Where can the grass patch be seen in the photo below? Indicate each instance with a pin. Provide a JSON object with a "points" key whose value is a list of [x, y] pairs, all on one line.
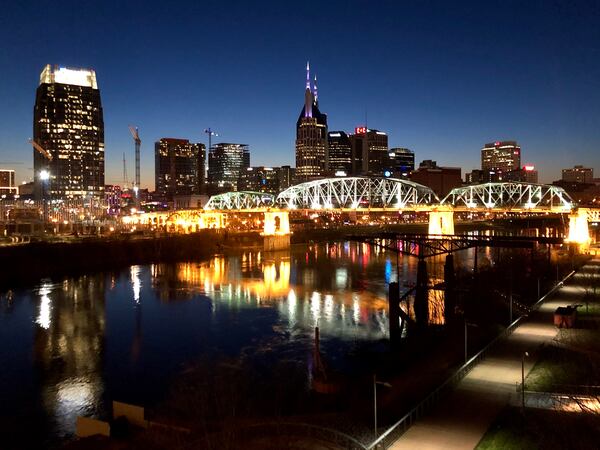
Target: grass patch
{"points": [[541, 429]]}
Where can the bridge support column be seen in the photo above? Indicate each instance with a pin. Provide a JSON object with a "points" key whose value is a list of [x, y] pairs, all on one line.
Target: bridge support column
{"points": [[441, 221], [421, 298], [450, 291], [579, 232], [394, 312], [276, 235]]}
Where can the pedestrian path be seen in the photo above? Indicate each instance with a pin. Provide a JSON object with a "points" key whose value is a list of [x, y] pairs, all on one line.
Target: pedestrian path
{"points": [[460, 420]]}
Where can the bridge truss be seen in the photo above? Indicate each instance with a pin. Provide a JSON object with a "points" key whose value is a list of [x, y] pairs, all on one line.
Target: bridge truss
{"points": [[510, 196], [356, 193], [425, 245], [240, 200]]}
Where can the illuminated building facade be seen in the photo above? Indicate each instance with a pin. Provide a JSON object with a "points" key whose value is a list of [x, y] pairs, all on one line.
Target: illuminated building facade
{"points": [[7, 182], [259, 179], [501, 155], [112, 194], [311, 136], [179, 167], [340, 153], [578, 174], [369, 151], [68, 123], [401, 162], [285, 176], [225, 163]]}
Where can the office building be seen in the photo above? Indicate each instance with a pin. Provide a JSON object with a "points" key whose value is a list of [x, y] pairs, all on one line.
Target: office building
{"points": [[178, 167], [501, 155], [68, 134], [285, 176], [7, 182], [578, 174], [369, 151], [311, 136], [259, 179], [401, 162], [340, 153], [225, 163], [440, 179]]}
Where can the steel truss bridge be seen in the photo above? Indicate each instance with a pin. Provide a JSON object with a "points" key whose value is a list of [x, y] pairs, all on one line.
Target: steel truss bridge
{"points": [[383, 194], [427, 245]]}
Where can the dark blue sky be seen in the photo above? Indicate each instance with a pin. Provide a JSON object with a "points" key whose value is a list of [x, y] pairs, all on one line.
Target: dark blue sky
{"points": [[442, 78]]}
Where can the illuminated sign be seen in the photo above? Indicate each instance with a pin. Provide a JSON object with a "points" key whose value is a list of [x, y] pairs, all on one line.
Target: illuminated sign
{"points": [[529, 168], [360, 130]]}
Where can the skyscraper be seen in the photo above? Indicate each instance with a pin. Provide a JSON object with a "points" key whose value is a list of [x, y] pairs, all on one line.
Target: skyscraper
{"points": [[311, 135], [578, 174], [178, 167], [225, 163], [259, 179], [68, 124], [501, 155], [340, 152], [369, 151]]}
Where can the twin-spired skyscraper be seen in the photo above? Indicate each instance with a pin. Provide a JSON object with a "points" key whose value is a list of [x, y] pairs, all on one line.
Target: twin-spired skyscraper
{"points": [[311, 135], [68, 126]]}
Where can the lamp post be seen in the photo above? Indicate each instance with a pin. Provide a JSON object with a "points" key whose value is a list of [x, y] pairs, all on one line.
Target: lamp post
{"points": [[375, 383], [525, 355]]}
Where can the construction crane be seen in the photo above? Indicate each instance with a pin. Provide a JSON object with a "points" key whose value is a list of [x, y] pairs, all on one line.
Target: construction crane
{"points": [[41, 150], [125, 181], [138, 142]]}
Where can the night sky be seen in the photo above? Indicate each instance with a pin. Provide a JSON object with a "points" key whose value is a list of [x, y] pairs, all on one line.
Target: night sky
{"points": [[441, 78]]}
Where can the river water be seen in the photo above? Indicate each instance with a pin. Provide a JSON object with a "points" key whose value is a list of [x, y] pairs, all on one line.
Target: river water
{"points": [[69, 348]]}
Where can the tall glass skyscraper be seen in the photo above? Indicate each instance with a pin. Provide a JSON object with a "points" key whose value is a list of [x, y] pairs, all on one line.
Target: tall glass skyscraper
{"points": [[68, 125], [225, 163]]}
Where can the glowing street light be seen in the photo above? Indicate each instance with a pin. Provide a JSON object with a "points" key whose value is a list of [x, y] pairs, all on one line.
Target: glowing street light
{"points": [[44, 175]]}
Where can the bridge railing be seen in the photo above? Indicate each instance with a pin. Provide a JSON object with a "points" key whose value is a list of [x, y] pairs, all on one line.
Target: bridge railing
{"points": [[399, 428]]}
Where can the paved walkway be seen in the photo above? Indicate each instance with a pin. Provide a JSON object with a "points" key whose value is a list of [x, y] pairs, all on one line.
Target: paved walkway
{"points": [[461, 419]]}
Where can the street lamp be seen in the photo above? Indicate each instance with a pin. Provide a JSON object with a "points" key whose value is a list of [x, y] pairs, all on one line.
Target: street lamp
{"points": [[375, 383], [525, 355]]}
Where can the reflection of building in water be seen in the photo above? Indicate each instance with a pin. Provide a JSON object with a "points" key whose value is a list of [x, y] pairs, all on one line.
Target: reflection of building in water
{"points": [[69, 347], [303, 300]]}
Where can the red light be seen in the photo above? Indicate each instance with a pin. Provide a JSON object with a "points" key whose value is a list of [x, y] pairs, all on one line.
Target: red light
{"points": [[360, 130], [497, 143]]}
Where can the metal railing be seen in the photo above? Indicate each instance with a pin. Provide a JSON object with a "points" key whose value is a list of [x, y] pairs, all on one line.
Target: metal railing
{"points": [[399, 428]]}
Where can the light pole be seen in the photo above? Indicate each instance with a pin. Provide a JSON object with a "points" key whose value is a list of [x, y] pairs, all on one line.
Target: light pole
{"points": [[467, 324], [525, 355], [375, 383]]}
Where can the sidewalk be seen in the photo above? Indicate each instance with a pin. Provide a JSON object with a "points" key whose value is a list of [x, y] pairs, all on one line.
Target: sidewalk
{"points": [[463, 417]]}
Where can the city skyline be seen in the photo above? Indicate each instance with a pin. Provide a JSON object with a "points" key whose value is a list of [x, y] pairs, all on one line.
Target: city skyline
{"points": [[435, 106]]}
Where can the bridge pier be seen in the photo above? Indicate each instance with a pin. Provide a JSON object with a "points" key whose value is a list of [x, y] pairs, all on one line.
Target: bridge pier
{"points": [[579, 232], [276, 234], [441, 221], [394, 312], [450, 289], [421, 297]]}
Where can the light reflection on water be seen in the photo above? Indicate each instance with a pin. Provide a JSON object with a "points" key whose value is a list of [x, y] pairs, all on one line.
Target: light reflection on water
{"points": [[83, 342]]}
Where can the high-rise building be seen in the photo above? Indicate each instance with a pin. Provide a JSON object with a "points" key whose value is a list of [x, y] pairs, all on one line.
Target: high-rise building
{"points": [[578, 174], [401, 162], [225, 163], [7, 182], [285, 176], [311, 135], [259, 179], [68, 124], [340, 153], [501, 155], [369, 151], [178, 167]]}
